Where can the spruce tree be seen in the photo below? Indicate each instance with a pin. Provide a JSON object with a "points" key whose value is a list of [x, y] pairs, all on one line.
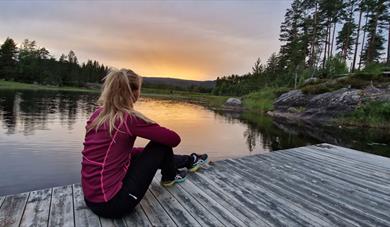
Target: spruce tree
{"points": [[378, 16], [347, 34], [8, 62]]}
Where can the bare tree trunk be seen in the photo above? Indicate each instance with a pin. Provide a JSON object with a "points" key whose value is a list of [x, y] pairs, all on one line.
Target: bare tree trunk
{"points": [[364, 37], [388, 47], [326, 47], [357, 41], [312, 52], [329, 37], [345, 50], [334, 31]]}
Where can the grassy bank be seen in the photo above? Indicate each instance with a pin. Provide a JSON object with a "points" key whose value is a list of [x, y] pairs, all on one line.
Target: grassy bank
{"points": [[11, 85], [198, 98], [261, 101], [374, 114]]}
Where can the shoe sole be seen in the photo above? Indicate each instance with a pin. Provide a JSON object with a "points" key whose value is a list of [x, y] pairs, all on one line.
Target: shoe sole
{"points": [[197, 167], [171, 183]]}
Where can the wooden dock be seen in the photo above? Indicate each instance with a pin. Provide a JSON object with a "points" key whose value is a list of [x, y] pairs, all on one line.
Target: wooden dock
{"points": [[321, 185]]}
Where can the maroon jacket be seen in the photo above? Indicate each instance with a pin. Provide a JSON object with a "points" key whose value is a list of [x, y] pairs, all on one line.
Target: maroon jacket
{"points": [[106, 158]]}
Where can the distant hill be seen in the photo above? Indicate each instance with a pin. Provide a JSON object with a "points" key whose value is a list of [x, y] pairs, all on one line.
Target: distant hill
{"points": [[177, 83]]}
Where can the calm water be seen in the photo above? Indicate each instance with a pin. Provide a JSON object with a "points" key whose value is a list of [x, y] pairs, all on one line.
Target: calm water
{"points": [[41, 135]]}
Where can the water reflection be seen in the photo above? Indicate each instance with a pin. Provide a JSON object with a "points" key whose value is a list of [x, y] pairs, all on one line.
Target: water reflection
{"points": [[41, 135], [27, 111], [263, 131]]}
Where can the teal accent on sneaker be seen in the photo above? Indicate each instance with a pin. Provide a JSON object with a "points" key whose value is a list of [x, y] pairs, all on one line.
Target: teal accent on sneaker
{"points": [[180, 177], [199, 162]]}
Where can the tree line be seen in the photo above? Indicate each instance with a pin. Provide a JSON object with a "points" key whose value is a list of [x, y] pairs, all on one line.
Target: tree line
{"points": [[32, 64], [321, 39]]}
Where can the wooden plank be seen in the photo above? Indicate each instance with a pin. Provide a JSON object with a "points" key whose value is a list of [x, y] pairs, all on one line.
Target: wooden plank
{"points": [[37, 208], [1, 200], [301, 171], [175, 210], [356, 166], [12, 209], [246, 199], [155, 212], [225, 214], [239, 207], [347, 159], [137, 218], [356, 155], [319, 176], [348, 155], [344, 166], [325, 169], [201, 213], [336, 206], [107, 222], [61, 209], [277, 208], [350, 194], [83, 215]]}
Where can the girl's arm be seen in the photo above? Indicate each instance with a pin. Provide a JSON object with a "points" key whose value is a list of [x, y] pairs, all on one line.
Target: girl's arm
{"points": [[137, 150], [153, 132]]}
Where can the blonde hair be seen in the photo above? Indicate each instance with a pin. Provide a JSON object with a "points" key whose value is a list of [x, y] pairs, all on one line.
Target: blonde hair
{"points": [[117, 98]]}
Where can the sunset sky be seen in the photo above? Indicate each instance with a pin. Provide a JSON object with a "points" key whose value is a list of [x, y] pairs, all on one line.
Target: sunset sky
{"points": [[184, 39]]}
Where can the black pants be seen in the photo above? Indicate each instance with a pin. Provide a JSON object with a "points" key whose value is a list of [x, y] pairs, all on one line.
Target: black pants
{"points": [[139, 176]]}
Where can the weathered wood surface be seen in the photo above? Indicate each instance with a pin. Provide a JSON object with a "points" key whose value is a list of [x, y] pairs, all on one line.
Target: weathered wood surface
{"points": [[321, 185]]}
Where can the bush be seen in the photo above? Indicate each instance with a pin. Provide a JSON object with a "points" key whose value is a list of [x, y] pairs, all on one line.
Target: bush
{"points": [[366, 76], [374, 69], [279, 91], [373, 113], [356, 83], [314, 89], [262, 100], [334, 67]]}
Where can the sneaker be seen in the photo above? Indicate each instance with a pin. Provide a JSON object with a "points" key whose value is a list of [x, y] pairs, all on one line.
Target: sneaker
{"points": [[179, 178], [198, 161]]}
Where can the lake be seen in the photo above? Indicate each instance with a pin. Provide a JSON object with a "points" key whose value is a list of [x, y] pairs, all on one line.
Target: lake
{"points": [[41, 135]]}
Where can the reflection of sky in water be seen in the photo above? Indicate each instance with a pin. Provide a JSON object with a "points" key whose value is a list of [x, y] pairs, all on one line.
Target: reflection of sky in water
{"points": [[200, 129], [41, 135]]}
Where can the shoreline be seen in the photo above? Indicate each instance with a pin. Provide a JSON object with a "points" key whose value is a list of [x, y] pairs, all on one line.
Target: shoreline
{"points": [[203, 99], [216, 103]]}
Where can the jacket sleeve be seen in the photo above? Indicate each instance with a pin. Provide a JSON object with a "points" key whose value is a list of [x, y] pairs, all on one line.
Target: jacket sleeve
{"points": [[153, 132]]}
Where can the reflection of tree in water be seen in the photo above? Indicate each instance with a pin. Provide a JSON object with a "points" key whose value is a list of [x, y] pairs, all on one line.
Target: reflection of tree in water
{"points": [[32, 110], [262, 131], [8, 112], [276, 135], [370, 140]]}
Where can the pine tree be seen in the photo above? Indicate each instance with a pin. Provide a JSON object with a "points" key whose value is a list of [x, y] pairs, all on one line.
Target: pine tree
{"points": [[377, 19], [72, 57], [8, 54], [330, 10], [258, 68], [293, 52], [347, 34]]}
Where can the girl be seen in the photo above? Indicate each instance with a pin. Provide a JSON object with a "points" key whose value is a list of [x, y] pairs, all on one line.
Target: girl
{"points": [[115, 175]]}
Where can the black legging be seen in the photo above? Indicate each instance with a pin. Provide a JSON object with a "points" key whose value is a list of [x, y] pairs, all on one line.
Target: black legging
{"points": [[139, 176]]}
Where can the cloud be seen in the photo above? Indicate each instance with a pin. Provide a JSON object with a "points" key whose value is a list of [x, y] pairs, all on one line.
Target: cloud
{"points": [[187, 39]]}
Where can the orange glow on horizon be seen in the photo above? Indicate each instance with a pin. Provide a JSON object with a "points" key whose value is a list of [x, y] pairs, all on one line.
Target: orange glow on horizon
{"points": [[172, 72]]}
